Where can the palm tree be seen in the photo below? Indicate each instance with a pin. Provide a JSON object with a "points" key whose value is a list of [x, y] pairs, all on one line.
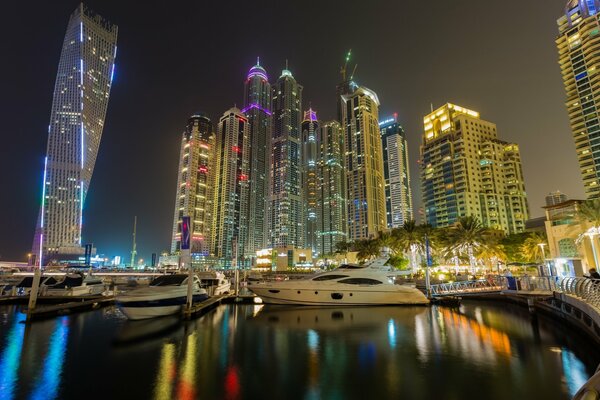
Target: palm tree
{"points": [[410, 240], [494, 252], [468, 235], [589, 211], [532, 247], [367, 249], [343, 247], [387, 240]]}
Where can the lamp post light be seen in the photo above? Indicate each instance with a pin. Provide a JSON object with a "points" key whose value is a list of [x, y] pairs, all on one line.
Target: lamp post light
{"points": [[544, 257], [591, 233]]}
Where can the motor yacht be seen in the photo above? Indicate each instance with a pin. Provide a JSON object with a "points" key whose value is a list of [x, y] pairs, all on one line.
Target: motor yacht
{"points": [[166, 295], [214, 282], [368, 284], [76, 284], [23, 287]]}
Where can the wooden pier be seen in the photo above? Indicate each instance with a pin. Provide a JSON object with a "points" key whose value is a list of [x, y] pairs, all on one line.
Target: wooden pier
{"points": [[75, 305], [202, 308]]}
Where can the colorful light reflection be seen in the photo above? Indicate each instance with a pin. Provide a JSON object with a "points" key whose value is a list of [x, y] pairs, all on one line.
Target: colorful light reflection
{"points": [[10, 359]]}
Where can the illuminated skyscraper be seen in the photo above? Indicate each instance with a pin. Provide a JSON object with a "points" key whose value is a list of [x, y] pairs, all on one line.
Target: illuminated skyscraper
{"points": [[79, 105], [398, 199], [194, 195], [286, 209], [310, 125], [257, 108], [364, 165], [579, 60], [467, 171], [331, 189], [230, 219]]}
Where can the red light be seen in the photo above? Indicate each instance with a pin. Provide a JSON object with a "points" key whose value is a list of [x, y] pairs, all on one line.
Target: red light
{"points": [[236, 149], [203, 169], [243, 177]]}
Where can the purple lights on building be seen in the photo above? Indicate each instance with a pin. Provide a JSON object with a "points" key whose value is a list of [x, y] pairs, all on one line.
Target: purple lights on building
{"points": [[251, 106], [257, 70], [310, 115]]}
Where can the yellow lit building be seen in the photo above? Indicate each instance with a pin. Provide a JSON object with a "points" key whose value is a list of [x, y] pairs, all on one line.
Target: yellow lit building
{"points": [[364, 165], [578, 56], [467, 170], [283, 258]]}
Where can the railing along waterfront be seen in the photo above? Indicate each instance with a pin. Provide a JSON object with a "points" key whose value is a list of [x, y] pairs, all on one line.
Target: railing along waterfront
{"points": [[586, 289], [481, 285]]}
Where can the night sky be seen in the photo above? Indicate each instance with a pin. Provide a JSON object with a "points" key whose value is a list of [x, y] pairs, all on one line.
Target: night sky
{"points": [[175, 58]]}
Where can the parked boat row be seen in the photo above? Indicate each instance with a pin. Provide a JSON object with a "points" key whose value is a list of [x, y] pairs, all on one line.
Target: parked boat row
{"points": [[72, 284]]}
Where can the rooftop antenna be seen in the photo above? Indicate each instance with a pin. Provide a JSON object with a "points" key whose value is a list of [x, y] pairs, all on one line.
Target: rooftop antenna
{"points": [[258, 61], [343, 69], [286, 63], [133, 251], [431, 105]]}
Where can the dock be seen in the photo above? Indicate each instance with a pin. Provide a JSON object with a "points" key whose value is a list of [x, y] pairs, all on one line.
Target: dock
{"points": [[75, 305], [202, 308]]}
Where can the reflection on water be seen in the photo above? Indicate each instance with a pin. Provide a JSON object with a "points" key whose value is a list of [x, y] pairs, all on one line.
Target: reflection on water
{"points": [[236, 352]]}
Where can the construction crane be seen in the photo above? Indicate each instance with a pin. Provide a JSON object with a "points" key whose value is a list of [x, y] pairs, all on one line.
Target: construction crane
{"points": [[343, 69]]}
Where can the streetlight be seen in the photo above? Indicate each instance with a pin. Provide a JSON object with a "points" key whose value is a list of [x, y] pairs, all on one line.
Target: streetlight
{"points": [[593, 231], [544, 255]]}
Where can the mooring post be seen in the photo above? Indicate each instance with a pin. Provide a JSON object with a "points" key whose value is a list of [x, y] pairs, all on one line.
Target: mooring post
{"points": [[37, 277]]}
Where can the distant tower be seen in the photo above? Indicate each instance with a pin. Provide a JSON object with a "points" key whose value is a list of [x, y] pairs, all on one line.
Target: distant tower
{"points": [[345, 87], [577, 42], [79, 105], [286, 219], [364, 165], [310, 125], [257, 108], [398, 199], [467, 171], [195, 184], [331, 203], [230, 220], [554, 198]]}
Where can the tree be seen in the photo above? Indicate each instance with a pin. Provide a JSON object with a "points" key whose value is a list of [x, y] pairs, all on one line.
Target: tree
{"points": [[389, 241], [531, 249], [492, 252], [343, 247], [367, 249], [468, 236], [589, 211], [410, 239]]}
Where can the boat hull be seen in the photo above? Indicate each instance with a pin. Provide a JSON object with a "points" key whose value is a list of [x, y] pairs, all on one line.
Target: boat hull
{"points": [[337, 296], [136, 308]]}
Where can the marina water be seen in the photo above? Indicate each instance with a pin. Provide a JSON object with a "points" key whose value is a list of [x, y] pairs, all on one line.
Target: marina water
{"points": [[480, 350]]}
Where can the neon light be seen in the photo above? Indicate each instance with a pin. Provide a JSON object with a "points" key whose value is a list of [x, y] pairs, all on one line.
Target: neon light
{"points": [[81, 72], [258, 71], [81, 31], [115, 53], [310, 115], [254, 105], [41, 250], [44, 191], [80, 211], [112, 73], [82, 144]]}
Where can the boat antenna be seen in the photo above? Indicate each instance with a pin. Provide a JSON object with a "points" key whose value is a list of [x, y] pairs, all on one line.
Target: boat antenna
{"points": [[133, 251]]}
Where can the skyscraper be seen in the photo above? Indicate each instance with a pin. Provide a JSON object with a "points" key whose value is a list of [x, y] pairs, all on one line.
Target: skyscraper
{"points": [[577, 42], [257, 108], [310, 125], [364, 165], [79, 105], [286, 209], [194, 194], [398, 199], [467, 171], [554, 198], [331, 189], [230, 220]]}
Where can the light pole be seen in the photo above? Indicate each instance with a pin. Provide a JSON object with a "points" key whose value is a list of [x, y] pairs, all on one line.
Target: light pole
{"points": [[544, 255], [591, 233]]}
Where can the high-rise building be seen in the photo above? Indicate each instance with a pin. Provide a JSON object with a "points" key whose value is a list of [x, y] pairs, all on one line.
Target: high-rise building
{"points": [[286, 221], [554, 198], [467, 171], [398, 198], [79, 104], [194, 194], [577, 42], [230, 220], [364, 165], [310, 125], [331, 189], [257, 108]]}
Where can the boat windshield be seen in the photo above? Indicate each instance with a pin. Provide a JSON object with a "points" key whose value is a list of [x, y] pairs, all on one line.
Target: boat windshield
{"points": [[329, 277], [168, 280], [69, 281], [350, 266], [361, 281]]}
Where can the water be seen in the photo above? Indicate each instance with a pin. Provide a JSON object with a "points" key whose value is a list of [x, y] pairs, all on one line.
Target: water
{"points": [[250, 351]]}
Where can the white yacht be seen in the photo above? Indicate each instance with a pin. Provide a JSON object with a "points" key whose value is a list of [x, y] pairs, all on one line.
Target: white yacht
{"points": [[165, 295], [75, 285], [368, 284], [214, 282]]}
